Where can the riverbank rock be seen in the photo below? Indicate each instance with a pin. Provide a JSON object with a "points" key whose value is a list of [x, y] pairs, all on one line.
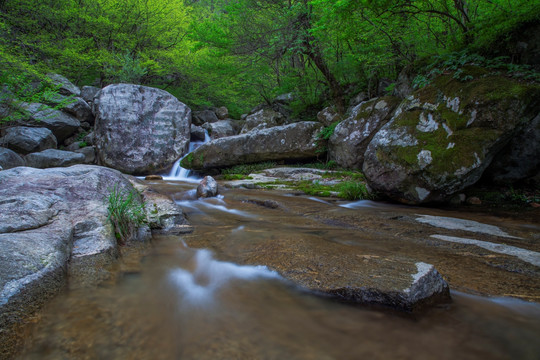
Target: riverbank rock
{"points": [[297, 141], [26, 140], [140, 130], [10, 159], [351, 137], [264, 118], [66, 87], [53, 158], [443, 137], [54, 225], [219, 129], [208, 187], [204, 116], [61, 124]]}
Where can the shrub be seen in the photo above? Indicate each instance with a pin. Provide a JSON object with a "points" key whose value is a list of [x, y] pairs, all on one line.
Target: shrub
{"points": [[126, 213], [352, 190]]}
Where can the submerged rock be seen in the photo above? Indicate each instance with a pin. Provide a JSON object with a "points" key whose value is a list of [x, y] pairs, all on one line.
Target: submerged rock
{"points": [[140, 130], [443, 137], [297, 141]]}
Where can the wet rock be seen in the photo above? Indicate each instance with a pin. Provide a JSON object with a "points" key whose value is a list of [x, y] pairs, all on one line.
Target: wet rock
{"points": [[140, 130], [197, 133], [61, 124], [54, 158], [54, 224], [26, 140], [208, 187], [442, 138], [351, 137], [264, 118], [288, 142], [10, 159], [219, 129], [153, 177]]}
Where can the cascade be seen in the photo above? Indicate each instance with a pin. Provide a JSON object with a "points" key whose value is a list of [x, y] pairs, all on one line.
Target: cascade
{"points": [[179, 173]]}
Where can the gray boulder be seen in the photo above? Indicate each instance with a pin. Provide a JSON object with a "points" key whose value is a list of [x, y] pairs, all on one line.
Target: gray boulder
{"points": [[328, 115], [54, 158], [25, 140], [443, 137], [296, 141], [204, 116], [520, 159], [54, 225], [263, 118], [351, 137], [61, 124], [88, 93], [66, 86], [222, 113], [222, 128], [140, 130], [89, 153], [76, 107], [9, 159], [208, 187]]}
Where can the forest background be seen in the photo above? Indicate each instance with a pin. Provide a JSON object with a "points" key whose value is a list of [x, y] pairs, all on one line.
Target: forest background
{"points": [[238, 53]]}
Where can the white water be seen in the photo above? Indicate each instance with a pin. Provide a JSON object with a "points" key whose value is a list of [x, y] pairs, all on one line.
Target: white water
{"points": [[198, 286], [180, 173]]}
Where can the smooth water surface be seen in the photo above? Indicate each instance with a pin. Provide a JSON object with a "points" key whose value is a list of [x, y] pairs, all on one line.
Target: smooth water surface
{"points": [[187, 299]]}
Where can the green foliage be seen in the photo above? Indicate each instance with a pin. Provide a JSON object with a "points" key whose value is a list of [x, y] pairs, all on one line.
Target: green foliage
{"points": [[126, 213], [128, 69], [460, 63], [246, 169], [236, 177], [327, 131], [352, 190], [23, 84]]}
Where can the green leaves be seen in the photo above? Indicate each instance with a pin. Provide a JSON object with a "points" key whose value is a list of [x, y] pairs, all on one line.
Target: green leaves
{"points": [[126, 213]]}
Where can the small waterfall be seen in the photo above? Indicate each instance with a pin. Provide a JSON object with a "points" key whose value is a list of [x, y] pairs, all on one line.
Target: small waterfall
{"points": [[180, 173]]}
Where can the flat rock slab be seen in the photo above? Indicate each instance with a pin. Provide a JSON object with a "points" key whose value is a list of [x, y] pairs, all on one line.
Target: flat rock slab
{"points": [[349, 274]]}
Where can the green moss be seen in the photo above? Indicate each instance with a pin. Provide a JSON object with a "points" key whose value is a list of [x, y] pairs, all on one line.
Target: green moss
{"points": [[187, 162]]}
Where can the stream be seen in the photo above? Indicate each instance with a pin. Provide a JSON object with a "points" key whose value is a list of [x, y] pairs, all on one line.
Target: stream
{"points": [[206, 295]]}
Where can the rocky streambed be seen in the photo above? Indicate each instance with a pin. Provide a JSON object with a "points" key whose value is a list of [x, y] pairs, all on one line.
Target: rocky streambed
{"points": [[194, 294]]}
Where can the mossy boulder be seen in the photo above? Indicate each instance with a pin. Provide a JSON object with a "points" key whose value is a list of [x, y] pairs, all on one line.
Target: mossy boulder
{"points": [[351, 137], [442, 137]]}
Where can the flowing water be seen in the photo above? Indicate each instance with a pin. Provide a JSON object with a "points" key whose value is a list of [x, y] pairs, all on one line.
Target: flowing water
{"points": [[203, 296]]}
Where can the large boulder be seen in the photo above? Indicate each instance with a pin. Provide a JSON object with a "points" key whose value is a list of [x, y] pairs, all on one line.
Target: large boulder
{"points": [[520, 159], [351, 137], [25, 140], [54, 225], [222, 128], [443, 137], [60, 123], [297, 141], [10, 159], [140, 130], [54, 158], [263, 118]]}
